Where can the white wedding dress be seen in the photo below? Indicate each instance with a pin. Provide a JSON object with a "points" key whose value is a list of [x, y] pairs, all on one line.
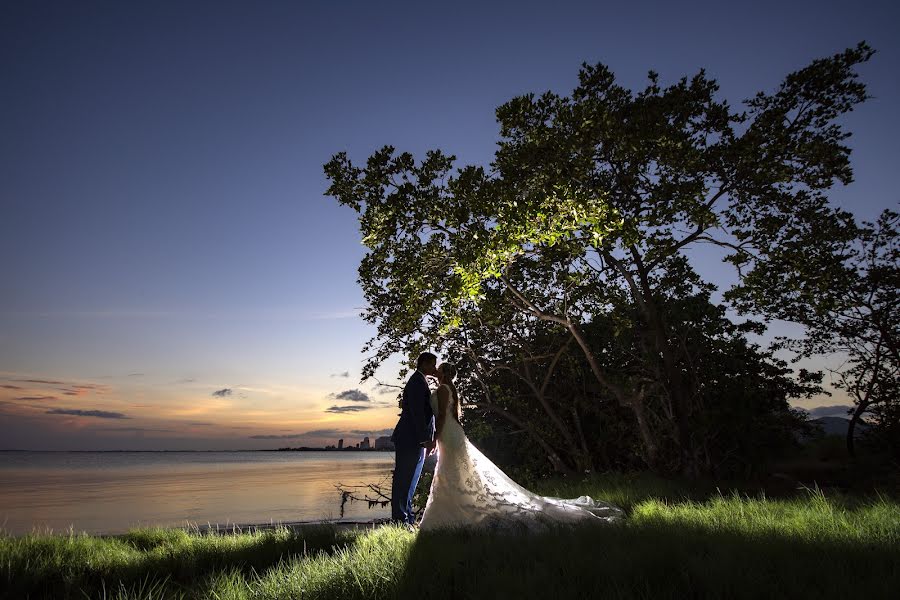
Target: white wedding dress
{"points": [[468, 490]]}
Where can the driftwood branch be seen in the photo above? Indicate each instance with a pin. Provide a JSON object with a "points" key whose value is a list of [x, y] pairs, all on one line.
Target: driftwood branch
{"points": [[371, 493]]}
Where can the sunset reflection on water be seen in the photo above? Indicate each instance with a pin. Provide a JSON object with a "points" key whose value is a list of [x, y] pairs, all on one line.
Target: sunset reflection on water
{"points": [[112, 492]]}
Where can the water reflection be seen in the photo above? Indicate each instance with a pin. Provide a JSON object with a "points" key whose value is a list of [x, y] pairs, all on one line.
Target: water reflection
{"points": [[111, 492]]}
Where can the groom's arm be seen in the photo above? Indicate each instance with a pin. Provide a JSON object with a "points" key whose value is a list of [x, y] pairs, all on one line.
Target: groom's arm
{"points": [[417, 410]]}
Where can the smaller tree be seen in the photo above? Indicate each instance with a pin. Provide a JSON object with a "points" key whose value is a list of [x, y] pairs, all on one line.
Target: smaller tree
{"points": [[848, 301]]}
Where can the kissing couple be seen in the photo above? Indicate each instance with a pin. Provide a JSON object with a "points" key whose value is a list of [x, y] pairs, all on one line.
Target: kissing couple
{"points": [[467, 489]]}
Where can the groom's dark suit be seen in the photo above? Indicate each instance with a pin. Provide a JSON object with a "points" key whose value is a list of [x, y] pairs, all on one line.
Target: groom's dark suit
{"points": [[415, 427]]}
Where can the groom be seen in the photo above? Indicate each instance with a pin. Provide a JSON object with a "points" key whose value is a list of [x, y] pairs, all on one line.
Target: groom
{"points": [[413, 436]]}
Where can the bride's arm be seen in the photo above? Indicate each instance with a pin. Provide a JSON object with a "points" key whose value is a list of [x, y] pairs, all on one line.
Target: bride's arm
{"points": [[443, 395]]}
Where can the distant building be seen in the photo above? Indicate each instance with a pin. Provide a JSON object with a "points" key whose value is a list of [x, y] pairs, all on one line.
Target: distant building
{"points": [[384, 443], [341, 444], [365, 445]]}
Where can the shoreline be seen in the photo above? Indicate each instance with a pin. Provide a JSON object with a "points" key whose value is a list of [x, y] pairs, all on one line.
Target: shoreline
{"points": [[220, 528], [294, 526]]}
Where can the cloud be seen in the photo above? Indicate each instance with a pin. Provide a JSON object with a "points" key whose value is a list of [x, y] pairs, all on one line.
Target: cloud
{"points": [[836, 410], [36, 398], [134, 429], [103, 414], [12, 387], [351, 396], [326, 432], [323, 433], [69, 389], [344, 374], [346, 409], [136, 375], [375, 432], [80, 386], [222, 393], [383, 390], [186, 380]]}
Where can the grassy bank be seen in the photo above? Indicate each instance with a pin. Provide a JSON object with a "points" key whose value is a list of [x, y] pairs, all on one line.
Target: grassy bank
{"points": [[677, 542]]}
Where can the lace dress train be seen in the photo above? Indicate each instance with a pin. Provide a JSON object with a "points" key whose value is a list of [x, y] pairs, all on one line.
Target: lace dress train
{"points": [[468, 490]]}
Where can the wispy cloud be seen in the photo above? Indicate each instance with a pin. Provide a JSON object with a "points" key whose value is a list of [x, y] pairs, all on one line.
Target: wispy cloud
{"points": [[323, 433], [383, 389], [12, 387], [82, 389], [36, 398], [66, 387], [836, 410], [376, 432], [344, 374], [346, 409], [326, 432], [103, 414], [222, 393], [351, 396], [134, 429]]}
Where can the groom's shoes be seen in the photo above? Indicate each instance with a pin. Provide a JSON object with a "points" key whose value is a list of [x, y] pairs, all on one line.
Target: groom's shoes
{"points": [[413, 527], [399, 523]]}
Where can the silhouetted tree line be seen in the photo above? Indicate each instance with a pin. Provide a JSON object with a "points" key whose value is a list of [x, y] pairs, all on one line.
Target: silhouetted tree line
{"points": [[561, 279]]}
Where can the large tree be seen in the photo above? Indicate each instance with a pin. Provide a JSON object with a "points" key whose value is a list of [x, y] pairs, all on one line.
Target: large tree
{"points": [[600, 194]]}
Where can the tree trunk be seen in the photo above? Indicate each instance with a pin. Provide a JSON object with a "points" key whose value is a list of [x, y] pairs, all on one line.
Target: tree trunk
{"points": [[674, 385], [640, 414], [650, 447], [851, 427], [555, 459]]}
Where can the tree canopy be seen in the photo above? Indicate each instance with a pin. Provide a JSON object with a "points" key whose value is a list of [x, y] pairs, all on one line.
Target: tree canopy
{"points": [[580, 228]]}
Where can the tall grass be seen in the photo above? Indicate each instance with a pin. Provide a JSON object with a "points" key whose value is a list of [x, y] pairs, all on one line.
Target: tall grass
{"points": [[678, 542]]}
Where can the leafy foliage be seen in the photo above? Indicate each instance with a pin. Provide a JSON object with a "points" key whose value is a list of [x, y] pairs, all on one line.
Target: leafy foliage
{"points": [[847, 297], [576, 238]]}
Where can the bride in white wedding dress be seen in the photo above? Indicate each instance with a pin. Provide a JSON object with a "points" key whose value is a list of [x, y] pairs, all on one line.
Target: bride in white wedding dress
{"points": [[468, 490]]}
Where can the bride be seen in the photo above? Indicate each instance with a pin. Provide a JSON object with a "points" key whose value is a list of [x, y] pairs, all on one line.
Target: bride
{"points": [[469, 490]]}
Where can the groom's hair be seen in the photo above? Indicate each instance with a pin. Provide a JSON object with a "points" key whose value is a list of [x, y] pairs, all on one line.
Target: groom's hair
{"points": [[425, 357]]}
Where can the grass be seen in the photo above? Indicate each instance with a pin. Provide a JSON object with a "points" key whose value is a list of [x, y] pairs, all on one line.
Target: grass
{"points": [[679, 541]]}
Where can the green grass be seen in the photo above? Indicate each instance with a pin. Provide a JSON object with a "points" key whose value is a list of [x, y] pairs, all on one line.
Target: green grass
{"points": [[678, 542]]}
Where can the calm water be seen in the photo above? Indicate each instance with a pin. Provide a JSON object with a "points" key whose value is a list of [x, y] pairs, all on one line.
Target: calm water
{"points": [[114, 491]]}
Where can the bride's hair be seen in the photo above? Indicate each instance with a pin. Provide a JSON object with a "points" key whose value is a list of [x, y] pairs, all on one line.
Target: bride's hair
{"points": [[449, 372]]}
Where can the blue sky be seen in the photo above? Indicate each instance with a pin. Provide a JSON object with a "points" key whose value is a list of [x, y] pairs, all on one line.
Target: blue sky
{"points": [[164, 233]]}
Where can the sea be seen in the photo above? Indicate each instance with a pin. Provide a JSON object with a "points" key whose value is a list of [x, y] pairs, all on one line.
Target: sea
{"points": [[112, 492]]}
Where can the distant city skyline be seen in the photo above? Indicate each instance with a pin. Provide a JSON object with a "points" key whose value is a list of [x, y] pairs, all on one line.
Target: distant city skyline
{"points": [[174, 277]]}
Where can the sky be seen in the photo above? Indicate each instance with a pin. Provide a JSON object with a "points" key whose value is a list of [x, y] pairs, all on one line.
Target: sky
{"points": [[173, 276]]}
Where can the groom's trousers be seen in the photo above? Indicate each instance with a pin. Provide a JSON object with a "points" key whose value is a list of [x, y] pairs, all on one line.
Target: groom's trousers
{"points": [[407, 470]]}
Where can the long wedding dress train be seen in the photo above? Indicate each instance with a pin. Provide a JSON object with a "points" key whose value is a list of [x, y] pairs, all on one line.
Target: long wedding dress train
{"points": [[468, 490]]}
